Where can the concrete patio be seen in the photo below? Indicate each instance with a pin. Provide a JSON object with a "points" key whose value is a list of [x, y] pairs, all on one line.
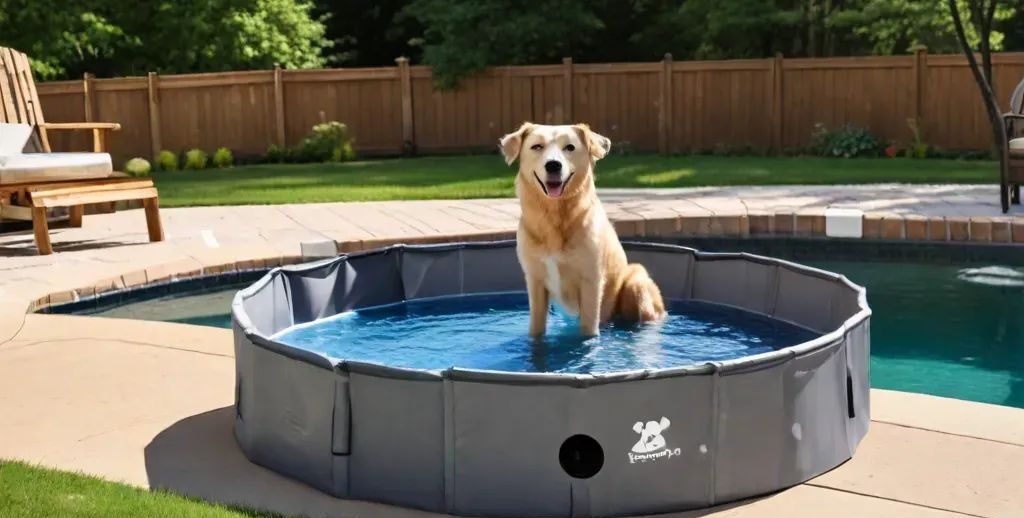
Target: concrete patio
{"points": [[148, 403]]}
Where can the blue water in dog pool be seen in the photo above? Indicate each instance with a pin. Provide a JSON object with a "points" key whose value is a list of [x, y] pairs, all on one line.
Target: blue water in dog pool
{"points": [[489, 332]]}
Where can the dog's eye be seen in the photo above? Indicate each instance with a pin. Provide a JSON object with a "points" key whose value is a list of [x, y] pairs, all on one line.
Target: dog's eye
{"points": [[536, 147], [570, 148]]}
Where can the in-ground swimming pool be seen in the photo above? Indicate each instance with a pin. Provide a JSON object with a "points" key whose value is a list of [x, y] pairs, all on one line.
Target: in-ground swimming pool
{"points": [[940, 326]]}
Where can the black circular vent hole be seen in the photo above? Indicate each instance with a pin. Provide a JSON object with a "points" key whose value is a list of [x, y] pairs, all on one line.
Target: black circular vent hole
{"points": [[581, 456]]}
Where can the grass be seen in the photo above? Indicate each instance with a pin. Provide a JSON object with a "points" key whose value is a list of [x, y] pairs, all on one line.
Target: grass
{"points": [[32, 492], [486, 176]]}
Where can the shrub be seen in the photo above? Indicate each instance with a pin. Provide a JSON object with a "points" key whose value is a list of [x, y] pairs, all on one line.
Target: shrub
{"points": [[195, 159], [275, 154], [223, 158], [137, 167], [328, 142], [917, 147], [167, 161], [846, 141]]}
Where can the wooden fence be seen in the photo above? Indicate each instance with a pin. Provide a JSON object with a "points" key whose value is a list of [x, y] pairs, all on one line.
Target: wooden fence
{"points": [[668, 106]]}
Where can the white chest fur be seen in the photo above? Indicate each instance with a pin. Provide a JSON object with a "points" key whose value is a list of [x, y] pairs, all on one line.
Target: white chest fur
{"points": [[553, 282]]}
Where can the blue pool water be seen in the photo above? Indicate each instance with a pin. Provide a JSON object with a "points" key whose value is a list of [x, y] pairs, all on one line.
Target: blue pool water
{"points": [[489, 332], [947, 320]]}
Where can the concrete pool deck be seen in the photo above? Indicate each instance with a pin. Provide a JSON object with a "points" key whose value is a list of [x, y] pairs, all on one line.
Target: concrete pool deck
{"points": [[148, 403]]}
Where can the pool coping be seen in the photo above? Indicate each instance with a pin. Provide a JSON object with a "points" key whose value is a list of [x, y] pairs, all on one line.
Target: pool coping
{"points": [[882, 227]]}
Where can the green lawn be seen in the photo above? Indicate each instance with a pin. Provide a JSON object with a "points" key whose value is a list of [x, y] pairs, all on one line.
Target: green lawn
{"points": [[486, 176], [33, 492]]}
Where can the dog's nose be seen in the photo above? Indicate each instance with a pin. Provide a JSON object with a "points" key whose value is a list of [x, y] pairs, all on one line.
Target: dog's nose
{"points": [[553, 166]]}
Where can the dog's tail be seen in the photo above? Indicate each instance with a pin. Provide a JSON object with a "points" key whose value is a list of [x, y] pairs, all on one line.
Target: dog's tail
{"points": [[639, 298]]}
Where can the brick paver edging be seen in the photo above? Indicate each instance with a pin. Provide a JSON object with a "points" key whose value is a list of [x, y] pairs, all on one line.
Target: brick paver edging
{"points": [[784, 224]]}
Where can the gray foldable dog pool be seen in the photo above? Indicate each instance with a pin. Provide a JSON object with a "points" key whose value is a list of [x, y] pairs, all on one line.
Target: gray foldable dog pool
{"points": [[401, 376]]}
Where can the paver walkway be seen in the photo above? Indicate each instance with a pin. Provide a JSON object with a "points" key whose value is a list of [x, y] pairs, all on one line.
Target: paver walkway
{"points": [[149, 403]]}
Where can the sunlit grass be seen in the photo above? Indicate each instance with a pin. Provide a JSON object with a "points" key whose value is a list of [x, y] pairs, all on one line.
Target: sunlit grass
{"points": [[487, 176], [33, 492], [664, 178]]}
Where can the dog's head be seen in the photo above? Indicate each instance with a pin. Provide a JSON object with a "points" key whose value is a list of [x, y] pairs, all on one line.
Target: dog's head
{"points": [[555, 160]]}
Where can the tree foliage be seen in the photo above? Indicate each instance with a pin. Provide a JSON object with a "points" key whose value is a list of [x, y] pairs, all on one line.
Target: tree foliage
{"points": [[458, 37], [116, 37], [368, 32]]}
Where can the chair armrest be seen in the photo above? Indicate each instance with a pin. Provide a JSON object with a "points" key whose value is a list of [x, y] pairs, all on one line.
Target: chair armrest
{"points": [[80, 126]]}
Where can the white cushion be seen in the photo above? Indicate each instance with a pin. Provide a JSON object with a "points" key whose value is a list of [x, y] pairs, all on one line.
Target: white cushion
{"points": [[1017, 144], [13, 138], [49, 167]]}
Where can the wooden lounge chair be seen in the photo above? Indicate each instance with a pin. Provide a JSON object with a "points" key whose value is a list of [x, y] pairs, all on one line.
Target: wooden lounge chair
{"points": [[33, 183]]}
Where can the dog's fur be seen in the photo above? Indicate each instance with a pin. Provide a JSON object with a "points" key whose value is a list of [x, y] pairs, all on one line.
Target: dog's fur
{"points": [[566, 245]]}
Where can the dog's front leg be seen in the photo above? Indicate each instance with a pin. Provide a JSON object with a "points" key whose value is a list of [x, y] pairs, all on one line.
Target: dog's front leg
{"points": [[539, 305], [590, 308]]}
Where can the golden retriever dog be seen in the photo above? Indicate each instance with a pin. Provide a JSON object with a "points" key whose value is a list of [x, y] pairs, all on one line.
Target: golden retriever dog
{"points": [[566, 245]]}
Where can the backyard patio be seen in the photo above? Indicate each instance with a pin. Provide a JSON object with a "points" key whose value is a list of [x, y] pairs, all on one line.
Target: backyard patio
{"points": [[131, 385], [149, 403]]}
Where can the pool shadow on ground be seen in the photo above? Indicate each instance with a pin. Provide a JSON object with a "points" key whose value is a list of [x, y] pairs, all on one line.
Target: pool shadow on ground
{"points": [[198, 457]]}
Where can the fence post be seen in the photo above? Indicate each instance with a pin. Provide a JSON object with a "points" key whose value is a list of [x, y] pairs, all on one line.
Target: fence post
{"points": [[87, 99], [665, 106], [279, 107], [920, 73], [153, 84], [506, 99], [405, 84], [567, 90], [778, 116]]}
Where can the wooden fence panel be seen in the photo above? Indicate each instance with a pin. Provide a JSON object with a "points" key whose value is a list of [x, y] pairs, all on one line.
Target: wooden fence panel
{"points": [[368, 101], [706, 104], [63, 102], [721, 106], [520, 98], [236, 112], [621, 106], [125, 101], [875, 93], [465, 118]]}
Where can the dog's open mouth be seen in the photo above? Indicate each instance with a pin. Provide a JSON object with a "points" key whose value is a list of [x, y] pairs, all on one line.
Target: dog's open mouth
{"points": [[553, 188]]}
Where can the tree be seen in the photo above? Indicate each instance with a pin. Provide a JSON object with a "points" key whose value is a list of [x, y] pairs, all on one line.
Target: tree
{"points": [[368, 32], [461, 37], [982, 13], [115, 37]]}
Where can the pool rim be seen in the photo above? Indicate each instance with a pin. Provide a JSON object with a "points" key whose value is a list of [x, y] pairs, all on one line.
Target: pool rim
{"points": [[745, 363]]}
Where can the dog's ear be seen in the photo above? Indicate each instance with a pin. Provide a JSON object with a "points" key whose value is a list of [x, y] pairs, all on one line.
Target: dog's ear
{"points": [[511, 144], [598, 145], [665, 423], [638, 427]]}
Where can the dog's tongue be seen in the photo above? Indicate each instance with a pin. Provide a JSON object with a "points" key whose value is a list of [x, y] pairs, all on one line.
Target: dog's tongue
{"points": [[555, 189]]}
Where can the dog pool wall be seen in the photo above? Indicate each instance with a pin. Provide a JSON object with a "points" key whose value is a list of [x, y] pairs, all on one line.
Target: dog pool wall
{"points": [[487, 443]]}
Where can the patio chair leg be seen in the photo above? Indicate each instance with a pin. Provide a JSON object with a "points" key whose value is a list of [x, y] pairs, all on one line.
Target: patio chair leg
{"points": [[1004, 197], [1015, 194], [42, 231], [75, 213], [156, 230]]}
